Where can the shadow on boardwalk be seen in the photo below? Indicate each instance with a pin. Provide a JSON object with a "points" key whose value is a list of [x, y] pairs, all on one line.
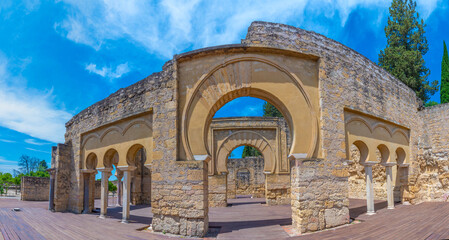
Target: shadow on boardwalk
{"points": [[244, 219]]}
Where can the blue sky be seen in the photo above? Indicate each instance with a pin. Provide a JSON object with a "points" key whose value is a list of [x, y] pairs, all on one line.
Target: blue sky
{"points": [[58, 57]]}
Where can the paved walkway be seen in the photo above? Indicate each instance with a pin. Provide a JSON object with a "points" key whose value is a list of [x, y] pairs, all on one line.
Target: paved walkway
{"points": [[244, 219]]}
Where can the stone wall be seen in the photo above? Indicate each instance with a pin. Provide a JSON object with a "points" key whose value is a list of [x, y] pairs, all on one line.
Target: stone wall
{"points": [[252, 183], [347, 80], [432, 184], [275, 188], [357, 182], [141, 186], [97, 193], [149, 94], [319, 199], [61, 161], [35, 189], [179, 202]]}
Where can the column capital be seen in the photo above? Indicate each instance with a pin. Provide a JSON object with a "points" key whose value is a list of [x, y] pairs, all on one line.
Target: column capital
{"points": [[369, 163], [205, 158], [127, 168], [148, 165], [109, 170], [404, 165], [297, 156], [88, 171], [388, 164], [51, 171]]}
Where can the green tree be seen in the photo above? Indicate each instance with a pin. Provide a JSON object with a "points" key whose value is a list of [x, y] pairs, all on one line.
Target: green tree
{"points": [[271, 111], [111, 187], [430, 104], [444, 91], [249, 151], [406, 47], [6, 180], [42, 165]]}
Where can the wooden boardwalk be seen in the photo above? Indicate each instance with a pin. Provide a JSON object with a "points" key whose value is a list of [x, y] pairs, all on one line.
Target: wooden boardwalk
{"points": [[422, 221], [246, 219]]}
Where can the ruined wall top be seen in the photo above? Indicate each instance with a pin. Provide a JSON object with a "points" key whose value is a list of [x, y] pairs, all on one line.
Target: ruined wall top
{"points": [[436, 124], [281, 36], [117, 105], [260, 34]]}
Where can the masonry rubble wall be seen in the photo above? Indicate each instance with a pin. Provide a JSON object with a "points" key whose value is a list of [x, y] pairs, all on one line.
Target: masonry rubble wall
{"points": [[179, 199], [315, 205], [432, 184], [35, 188], [97, 193], [347, 80], [357, 182], [61, 161], [252, 183]]}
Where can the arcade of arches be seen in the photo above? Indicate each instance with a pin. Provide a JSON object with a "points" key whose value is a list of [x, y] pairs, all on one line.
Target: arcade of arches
{"points": [[351, 130]]}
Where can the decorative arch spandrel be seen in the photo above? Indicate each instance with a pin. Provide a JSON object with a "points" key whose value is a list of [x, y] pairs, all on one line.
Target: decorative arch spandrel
{"points": [[237, 77]]}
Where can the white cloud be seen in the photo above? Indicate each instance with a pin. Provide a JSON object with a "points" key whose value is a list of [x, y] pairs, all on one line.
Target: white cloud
{"points": [[31, 5], [27, 110], [8, 165], [107, 72], [37, 150], [34, 142], [7, 141], [170, 26]]}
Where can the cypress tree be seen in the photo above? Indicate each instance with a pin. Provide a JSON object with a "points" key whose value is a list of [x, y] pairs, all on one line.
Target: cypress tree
{"points": [[444, 91], [406, 47], [249, 151], [271, 111]]}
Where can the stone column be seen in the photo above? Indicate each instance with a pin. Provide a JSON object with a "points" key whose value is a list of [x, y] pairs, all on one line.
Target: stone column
{"points": [[389, 175], [51, 198], [127, 172], [119, 175], [369, 188], [105, 174]]}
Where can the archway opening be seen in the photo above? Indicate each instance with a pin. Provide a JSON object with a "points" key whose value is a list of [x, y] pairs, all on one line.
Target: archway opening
{"points": [[141, 176], [246, 178], [245, 146], [89, 183], [379, 172], [401, 176], [356, 177]]}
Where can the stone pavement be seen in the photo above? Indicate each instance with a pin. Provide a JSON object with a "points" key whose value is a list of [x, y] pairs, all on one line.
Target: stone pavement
{"points": [[243, 219]]}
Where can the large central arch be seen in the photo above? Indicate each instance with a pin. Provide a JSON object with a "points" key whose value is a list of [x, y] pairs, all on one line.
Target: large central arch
{"points": [[248, 75]]}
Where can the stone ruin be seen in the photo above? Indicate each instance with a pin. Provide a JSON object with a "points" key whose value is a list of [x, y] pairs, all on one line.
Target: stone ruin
{"points": [[353, 129]]}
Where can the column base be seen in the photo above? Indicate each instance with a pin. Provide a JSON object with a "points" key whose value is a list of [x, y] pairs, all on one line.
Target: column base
{"points": [[125, 221], [102, 216], [370, 213], [390, 207]]}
